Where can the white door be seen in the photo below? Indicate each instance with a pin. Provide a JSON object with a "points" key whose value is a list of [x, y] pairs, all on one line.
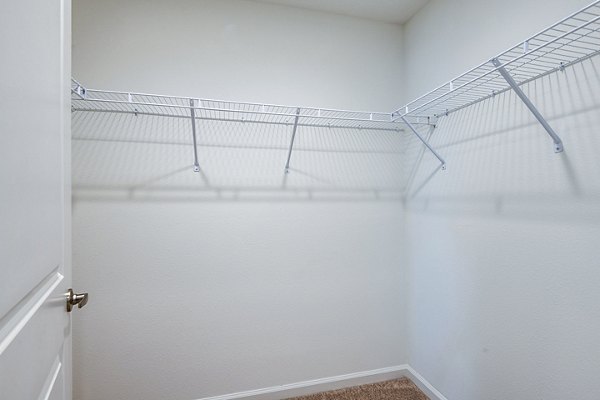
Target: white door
{"points": [[35, 329]]}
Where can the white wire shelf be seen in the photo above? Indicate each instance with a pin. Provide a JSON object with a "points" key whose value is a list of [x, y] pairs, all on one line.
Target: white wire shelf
{"points": [[569, 41], [572, 40], [84, 99], [237, 115]]}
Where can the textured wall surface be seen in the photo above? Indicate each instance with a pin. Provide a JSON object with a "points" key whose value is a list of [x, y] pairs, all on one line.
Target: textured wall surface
{"points": [[238, 277], [504, 245]]}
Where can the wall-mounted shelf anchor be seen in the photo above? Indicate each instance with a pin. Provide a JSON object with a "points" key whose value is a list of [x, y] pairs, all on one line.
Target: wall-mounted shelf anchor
{"points": [[193, 115], [79, 91], [287, 164], [558, 145]]}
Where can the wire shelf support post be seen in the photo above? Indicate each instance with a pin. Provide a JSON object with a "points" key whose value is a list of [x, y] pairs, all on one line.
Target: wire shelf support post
{"points": [[414, 130], [558, 145], [193, 115], [287, 164]]}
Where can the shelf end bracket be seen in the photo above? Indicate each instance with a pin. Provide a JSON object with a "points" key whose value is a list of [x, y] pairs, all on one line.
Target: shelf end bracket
{"points": [[558, 145], [79, 90], [414, 130]]}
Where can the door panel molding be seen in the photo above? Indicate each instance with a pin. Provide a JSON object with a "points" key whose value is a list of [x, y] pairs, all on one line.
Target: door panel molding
{"points": [[51, 381], [16, 319]]}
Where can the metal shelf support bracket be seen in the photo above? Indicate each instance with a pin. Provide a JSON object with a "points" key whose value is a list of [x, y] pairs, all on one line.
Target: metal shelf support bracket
{"points": [[193, 115], [558, 145], [80, 91], [287, 164], [413, 129]]}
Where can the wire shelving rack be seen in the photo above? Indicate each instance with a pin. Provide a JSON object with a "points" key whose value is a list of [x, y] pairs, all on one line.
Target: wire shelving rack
{"points": [[570, 41], [84, 99], [194, 109]]}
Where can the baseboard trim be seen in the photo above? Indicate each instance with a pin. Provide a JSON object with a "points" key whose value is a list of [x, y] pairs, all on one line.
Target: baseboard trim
{"points": [[333, 383], [316, 385], [423, 384]]}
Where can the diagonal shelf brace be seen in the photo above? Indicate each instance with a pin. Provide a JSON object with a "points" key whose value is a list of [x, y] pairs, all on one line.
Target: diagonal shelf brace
{"points": [[558, 145], [287, 164], [435, 153], [193, 115]]}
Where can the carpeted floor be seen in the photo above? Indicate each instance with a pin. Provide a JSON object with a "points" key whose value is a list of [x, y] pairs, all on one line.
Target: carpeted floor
{"points": [[397, 389]]}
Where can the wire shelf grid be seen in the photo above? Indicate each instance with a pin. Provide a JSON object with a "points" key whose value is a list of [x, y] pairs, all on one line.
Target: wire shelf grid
{"points": [[571, 40], [83, 99]]}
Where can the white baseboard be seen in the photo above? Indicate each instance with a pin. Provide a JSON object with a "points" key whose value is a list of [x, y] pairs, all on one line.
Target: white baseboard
{"points": [[423, 384], [333, 383]]}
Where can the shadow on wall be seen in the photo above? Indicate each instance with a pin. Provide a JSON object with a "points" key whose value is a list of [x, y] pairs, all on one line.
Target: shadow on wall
{"points": [[120, 157], [501, 161]]}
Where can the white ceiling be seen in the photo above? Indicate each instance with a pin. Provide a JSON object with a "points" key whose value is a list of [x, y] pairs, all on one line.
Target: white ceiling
{"points": [[394, 11]]}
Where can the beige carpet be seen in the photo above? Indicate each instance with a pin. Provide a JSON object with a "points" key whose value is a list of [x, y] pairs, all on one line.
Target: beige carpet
{"points": [[397, 389]]}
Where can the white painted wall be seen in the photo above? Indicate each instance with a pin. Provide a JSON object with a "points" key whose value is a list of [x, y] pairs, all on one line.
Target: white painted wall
{"points": [[239, 50], [503, 258], [237, 278], [286, 280]]}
